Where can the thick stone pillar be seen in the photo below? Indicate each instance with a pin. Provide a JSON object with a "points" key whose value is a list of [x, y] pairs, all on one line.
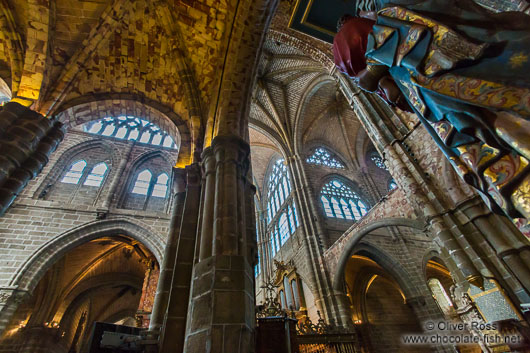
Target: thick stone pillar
{"points": [[166, 269], [172, 338], [26, 141], [221, 312]]}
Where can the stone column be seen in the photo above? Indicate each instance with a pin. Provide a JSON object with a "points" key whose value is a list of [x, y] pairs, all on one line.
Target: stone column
{"points": [[221, 311], [26, 140], [166, 269], [172, 337]]}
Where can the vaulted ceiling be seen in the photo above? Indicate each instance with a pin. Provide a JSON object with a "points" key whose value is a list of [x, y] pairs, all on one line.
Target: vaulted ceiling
{"points": [[180, 57], [180, 54], [296, 104]]}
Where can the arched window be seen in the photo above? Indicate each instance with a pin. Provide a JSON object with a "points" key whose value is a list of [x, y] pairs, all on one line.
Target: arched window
{"points": [[282, 219], [141, 185], [75, 172], [322, 156], [378, 161], [96, 175], [130, 128], [339, 201], [160, 188], [392, 185], [279, 188]]}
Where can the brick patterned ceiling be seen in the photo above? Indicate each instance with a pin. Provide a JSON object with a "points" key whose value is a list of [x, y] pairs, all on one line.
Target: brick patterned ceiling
{"points": [[295, 99], [73, 48]]}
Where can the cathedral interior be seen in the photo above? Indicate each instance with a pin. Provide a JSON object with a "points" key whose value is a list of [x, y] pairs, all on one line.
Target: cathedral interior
{"points": [[204, 176]]}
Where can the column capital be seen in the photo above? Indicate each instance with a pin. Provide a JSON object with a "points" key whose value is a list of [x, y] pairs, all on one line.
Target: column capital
{"points": [[179, 180], [194, 174], [231, 143]]}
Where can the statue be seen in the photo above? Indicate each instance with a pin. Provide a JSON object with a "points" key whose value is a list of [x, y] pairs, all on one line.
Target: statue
{"points": [[464, 71]]}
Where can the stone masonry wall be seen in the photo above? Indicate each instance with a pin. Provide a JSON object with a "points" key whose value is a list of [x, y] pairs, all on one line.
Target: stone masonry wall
{"points": [[33, 221]]}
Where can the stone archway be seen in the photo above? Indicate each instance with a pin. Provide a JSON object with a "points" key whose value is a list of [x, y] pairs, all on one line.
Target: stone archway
{"points": [[113, 263], [357, 237], [28, 276]]}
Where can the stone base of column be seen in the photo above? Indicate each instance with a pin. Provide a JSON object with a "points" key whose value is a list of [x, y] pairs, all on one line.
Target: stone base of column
{"points": [[221, 312]]}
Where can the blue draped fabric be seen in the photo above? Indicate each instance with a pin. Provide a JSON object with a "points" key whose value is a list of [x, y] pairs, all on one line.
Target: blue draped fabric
{"points": [[503, 59]]}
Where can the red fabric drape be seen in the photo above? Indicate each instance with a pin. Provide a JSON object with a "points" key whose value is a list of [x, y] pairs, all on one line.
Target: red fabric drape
{"points": [[349, 45]]}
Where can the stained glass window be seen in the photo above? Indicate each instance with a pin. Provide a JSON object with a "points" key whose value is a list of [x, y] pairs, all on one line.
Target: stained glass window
{"points": [[392, 185], [282, 219], [160, 188], [96, 175], [279, 188], [130, 128], [322, 156], [74, 173], [378, 161], [141, 186], [339, 201]]}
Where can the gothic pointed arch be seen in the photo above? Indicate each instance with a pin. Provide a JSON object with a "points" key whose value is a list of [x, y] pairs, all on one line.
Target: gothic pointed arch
{"points": [[86, 109], [148, 183], [94, 151], [27, 277]]}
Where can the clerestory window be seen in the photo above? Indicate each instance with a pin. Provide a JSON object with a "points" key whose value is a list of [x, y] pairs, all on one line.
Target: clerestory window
{"points": [[282, 220], [340, 201], [392, 185], [96, 175], [130, 128], [160, 188], [378, 161], [74, 173], [322, 156], [142, 185]]}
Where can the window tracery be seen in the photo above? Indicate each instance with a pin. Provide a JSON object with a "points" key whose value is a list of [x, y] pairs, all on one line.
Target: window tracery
{"points": [[340, 201], [74, 173], [96, 175], [141, 185], [282, 219], [130, 128], [322, 156], [160, 188]]}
